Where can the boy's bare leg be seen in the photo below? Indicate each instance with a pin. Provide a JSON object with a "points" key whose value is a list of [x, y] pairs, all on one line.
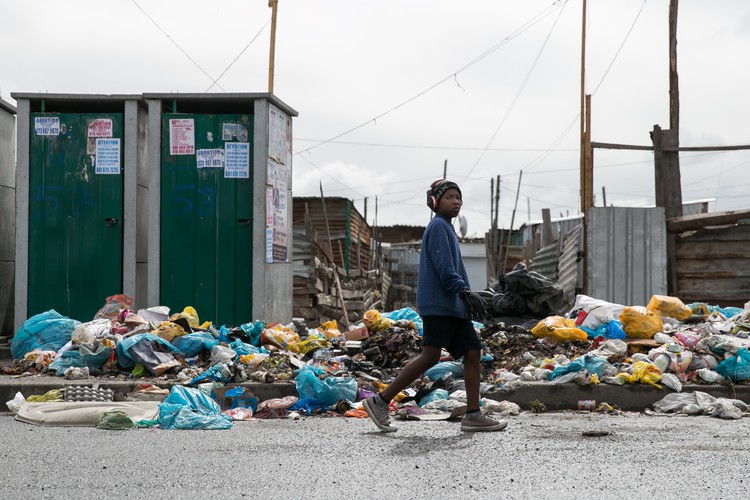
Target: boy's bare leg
{"points": [[472, 371], [429, 357]]}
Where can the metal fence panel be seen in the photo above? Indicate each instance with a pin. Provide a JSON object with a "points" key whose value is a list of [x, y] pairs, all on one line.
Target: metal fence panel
{"points": [[626, 254]]}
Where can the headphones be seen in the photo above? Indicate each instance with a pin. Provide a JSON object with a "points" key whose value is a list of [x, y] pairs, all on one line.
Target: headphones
{"points": [[436, 191]]}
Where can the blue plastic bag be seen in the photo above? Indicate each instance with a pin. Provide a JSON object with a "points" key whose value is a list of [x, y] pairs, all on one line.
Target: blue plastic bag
{"points": [[217, 373], [727, 312], [242, 348], [65, 360], [95, 359], [593, 364], [736, 368], [611, 330], [308, 405], [241, 397], [435, 395], [329, 390], [440, 370], [124, 357], [253, 331], [187, 408], [48, 331], [405, 313], [193, 343]]}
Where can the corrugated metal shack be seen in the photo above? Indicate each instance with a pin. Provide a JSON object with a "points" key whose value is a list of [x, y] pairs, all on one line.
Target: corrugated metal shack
{"points": [[402, 263], [350, 237], [322, 273]]}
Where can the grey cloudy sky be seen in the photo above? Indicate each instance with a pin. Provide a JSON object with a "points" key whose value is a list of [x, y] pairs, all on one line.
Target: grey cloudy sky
{"points": [[388, 90]]}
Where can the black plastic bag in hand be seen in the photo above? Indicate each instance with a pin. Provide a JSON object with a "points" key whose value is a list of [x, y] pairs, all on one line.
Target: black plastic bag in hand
{"points": [[473, 304]]}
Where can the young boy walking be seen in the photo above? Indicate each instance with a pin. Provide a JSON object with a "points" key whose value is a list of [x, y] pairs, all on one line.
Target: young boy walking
{"points": [[446, 303]]}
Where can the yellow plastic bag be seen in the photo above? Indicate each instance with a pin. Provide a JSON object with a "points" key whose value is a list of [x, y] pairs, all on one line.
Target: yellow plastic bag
{"points": [[640, 323], [669, 306], [330, 329], [169, 331], [53, 396], [700, 309], [190, 314], [375, 322], [282, 337], [559, 328], [313, 342], [643, 372]]}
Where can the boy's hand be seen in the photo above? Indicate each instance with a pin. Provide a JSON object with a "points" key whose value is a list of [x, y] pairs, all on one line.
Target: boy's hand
{"points": [[473, 304]]}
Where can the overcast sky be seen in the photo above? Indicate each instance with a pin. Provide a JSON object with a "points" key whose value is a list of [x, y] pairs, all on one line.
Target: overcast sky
{"points": [[387, 91]]}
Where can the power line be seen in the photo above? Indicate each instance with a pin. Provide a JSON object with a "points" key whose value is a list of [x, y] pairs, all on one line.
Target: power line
{"points": [[176, 44], [442, 148], [238, 55], [520, 90], [533, 21], [332, 177], [620, 47]]}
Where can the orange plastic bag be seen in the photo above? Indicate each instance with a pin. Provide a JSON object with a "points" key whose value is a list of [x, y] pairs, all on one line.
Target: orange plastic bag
{"points": [[640, 323], [669, 306], [559, 328]]}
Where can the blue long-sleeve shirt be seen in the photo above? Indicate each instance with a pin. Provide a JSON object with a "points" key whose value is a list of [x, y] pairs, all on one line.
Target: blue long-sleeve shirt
{"points": [[442, 274]]}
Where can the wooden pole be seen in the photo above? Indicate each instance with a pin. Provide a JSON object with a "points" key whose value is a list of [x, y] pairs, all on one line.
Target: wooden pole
{"points": [[272, 56], [583, 110], [512, 220], [339, 290], [588, 165], [604, 196], [674, 90], [547, 235], [496, 249], [492, 234], [445, 169]]}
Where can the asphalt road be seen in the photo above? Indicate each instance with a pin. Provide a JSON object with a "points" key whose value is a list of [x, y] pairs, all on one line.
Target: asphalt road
{"points": [[537, 456]]}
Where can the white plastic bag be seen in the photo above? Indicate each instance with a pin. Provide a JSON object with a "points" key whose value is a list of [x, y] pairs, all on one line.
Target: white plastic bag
{"points": [[671, 381], [15, 404], [222, 354]]}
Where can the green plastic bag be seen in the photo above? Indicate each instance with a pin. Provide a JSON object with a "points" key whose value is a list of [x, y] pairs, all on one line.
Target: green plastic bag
{"points": [[116, 421]]}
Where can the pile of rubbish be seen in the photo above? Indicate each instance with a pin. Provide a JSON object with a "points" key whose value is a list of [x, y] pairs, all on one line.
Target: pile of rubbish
{"points": [[663, 344]]}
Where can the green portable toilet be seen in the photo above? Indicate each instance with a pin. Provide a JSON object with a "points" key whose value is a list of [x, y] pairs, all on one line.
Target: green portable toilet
{"points": [[80, 183], [7, 214], [219, 224]]}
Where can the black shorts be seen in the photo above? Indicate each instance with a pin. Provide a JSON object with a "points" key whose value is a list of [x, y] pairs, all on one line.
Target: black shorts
{"points": [[456, 335]]}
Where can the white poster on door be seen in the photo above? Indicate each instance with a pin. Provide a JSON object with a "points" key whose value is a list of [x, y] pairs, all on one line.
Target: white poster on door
{"points": [[47, 125], [107, 156], [182, 136], [237, 160], [209, 158]]}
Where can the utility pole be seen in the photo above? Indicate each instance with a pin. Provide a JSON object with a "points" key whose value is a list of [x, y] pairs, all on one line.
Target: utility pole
{"points": [[674, 90], [667, 178], [586, 167], [445, 169], [272, 56]]}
